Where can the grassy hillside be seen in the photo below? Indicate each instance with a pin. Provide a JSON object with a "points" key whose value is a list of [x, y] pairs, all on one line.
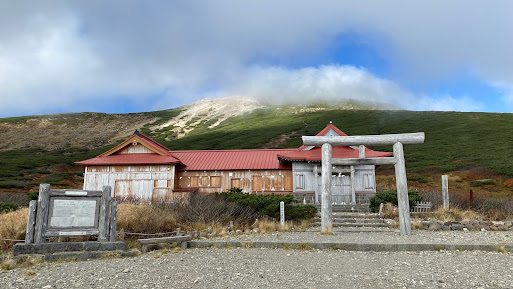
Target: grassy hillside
{"points": [[454, 140]]}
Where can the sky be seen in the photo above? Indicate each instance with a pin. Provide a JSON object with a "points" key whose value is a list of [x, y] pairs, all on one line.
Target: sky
{"points": [[121, 56]]}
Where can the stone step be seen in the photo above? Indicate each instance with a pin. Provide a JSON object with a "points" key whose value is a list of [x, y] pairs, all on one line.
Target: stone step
{"points": [[356, 220], [362, 208], [343, 215], [372, 225]]}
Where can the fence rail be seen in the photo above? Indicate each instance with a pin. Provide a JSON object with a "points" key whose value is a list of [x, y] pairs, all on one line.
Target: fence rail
{"points": [[421, 207]]}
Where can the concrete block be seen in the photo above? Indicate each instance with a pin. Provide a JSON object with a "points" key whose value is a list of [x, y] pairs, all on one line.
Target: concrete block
{"points": [[20, 249]]}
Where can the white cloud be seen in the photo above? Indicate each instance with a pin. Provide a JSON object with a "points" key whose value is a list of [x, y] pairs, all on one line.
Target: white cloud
{"points": [[59, 54]]}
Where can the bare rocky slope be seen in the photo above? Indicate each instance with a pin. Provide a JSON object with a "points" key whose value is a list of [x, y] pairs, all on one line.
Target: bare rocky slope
{"points": [[94, 130]]}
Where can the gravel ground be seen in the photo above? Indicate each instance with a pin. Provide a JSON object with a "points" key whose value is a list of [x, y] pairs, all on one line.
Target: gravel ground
{"points": [[279, 268], [417, 237], [275, 268]]}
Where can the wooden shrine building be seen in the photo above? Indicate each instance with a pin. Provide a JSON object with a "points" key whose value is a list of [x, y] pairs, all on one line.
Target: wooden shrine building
{"points": [[141, 168]]}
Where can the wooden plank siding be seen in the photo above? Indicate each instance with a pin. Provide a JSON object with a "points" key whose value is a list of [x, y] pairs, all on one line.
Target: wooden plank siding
{"points": [[247, 180], [144, 182]]}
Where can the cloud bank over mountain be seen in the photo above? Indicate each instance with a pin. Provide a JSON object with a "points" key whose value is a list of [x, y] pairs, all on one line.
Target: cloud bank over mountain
{"points": [[122, 56]]}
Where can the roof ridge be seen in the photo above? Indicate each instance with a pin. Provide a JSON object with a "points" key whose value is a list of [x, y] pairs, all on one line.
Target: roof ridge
{"points": [[231, 150]]}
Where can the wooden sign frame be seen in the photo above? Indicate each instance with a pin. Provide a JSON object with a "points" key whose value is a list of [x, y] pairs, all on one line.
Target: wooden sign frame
{"points": [[75, 212]]}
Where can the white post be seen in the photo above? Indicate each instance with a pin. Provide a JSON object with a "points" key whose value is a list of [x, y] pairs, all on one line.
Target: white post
{"points": [[353, 192], [445, 191], [282, 213], [316, 191], [361, 151], [402, 190], [326, 216]]}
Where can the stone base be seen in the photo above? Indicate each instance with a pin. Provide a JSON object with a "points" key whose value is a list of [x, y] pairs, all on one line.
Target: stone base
{"points": [[71, 250]]}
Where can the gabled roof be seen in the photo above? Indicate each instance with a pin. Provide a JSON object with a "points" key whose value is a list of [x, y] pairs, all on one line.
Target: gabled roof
{"points": [[311, 153], [199, 160], [139, 138], [260, 159], [323, 132], [159, 155]]}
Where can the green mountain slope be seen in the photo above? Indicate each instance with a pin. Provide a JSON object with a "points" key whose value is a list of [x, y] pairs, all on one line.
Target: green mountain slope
{"points": [[43, 148], [453, 139]]}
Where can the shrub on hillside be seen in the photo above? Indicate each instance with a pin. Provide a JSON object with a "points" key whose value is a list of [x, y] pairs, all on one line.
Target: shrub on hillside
{"points": [[19, 199], [8, 207], [269, 205], [391, 197]]}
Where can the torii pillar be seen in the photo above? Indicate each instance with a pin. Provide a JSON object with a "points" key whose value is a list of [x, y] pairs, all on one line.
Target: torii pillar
{"points": [[397, 140]]}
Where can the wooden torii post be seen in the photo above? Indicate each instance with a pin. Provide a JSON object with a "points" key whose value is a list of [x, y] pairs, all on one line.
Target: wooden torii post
{"points": [[397, 140]]}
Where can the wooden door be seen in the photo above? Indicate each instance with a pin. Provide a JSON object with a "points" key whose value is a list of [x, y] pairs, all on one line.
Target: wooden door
{"points": [[215, 181], [257, 183], [194, 181], [235, 183], [287, 183], [123, 189]]}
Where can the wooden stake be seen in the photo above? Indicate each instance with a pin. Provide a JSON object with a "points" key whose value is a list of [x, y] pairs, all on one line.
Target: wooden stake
{"points": [[326, 208], [402, 190]]}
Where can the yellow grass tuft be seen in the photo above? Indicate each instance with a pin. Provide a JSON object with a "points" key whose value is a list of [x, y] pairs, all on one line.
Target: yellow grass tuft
{"points": [[12, 226], [390, 211], [30, 272], [456, 215]]}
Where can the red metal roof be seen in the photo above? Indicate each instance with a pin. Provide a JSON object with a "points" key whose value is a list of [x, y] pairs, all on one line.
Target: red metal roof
{"points": [[130, 159], [205, 160], [263, 159], [315, 154]]}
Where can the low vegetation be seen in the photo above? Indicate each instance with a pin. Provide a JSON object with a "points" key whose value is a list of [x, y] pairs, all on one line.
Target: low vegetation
{"points": [[269, 205], [391, 197], [12, 226], [194, 212]]}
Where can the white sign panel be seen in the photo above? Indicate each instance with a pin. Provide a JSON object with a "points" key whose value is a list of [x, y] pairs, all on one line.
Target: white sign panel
{"points": [[75, 193], [73, 213]]}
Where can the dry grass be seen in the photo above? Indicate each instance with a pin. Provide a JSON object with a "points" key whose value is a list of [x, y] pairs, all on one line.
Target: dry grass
{"points": [[10, 264], [269, 226], [12, 226], [145, 218], [390, 211], [456, 215]]}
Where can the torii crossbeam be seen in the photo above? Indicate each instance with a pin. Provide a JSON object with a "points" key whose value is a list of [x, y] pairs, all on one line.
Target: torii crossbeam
{"points": [[397, 140]]}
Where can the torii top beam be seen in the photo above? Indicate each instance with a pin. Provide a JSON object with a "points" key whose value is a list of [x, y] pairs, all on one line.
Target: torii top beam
{"points": [[368, 140]]}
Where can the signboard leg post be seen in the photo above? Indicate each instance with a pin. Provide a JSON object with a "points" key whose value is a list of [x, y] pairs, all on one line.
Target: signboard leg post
{"points": [[113, 221], [43, 203], [104, 215], [31, 222]]}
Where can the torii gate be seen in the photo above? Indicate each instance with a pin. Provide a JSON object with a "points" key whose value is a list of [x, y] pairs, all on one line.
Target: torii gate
{"points": [[397, 140]]}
